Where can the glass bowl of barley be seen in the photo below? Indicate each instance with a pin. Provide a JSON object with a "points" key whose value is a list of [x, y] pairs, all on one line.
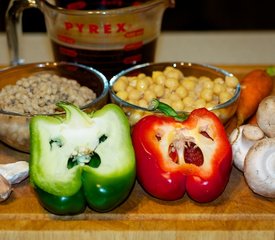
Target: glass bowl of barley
{"points": [[184, 86], [34, 89]]}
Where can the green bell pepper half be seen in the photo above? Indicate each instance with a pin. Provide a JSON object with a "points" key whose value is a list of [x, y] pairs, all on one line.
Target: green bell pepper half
{"points": [[82, 159]]}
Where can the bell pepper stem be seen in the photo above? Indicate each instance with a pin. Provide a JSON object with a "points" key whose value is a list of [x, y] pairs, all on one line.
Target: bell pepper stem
{"points": [[166, 109]]}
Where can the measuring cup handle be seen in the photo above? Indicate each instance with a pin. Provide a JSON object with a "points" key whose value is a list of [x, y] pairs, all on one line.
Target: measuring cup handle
{"points": [[14, 27]]}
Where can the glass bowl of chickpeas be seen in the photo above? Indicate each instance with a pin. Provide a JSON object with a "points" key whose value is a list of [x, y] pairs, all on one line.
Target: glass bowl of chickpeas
{"points": [[34, 89], [184, 86]]}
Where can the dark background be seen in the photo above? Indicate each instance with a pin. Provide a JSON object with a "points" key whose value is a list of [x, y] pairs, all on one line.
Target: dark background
{"points": [[188, 15]]}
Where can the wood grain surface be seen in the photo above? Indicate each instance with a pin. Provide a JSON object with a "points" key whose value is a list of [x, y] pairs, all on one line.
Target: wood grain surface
{"points": [[236, 214]]}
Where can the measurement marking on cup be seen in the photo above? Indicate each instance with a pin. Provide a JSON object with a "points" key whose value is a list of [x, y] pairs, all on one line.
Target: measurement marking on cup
{"points": [[131, 46], [66, 39], [135, 33]]}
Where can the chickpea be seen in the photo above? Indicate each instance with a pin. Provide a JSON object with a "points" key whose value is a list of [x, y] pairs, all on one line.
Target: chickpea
{"points": [[156, 74], [158, 90], [167, 93], [181, 91], [168, 69], [188, 101], [175, 97], [160, 79], [149, 95], [134, 94], [224, 97], [142, 84], [192, 95], [171, 83], [219, 80], [124, 78], [207, 94], [173, 73], [141, 75], [143, 103], [200, 103], [178, 105], [129, 88], [189, 84], [150, 80], [218, 88], [231, 82], [123, 95], [208, 83], [133, 81]]}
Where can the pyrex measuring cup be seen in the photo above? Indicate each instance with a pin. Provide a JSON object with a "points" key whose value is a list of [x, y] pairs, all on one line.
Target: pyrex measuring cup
{"points": [[107, 35]]}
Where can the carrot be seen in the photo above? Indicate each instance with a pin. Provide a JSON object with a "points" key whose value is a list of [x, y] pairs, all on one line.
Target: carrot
{"points": [[255, 86], [253, 120], [231, 125]]}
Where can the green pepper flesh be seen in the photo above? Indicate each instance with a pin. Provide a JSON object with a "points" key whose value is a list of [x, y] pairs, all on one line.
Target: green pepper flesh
{"points": [[82, 157]]}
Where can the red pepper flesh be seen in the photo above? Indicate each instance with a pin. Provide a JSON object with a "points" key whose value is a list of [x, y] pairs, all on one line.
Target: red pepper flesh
{"points": [[174, 157]]}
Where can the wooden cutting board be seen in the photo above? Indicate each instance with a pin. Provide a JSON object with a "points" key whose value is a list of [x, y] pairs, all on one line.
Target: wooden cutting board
{"points": [[236, 214]]}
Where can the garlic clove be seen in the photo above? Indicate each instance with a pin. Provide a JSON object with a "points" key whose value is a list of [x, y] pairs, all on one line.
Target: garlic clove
{"points": [[15, 172], [5, 188]]}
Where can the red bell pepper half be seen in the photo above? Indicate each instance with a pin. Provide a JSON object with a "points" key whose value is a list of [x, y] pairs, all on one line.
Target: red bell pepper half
{"points": [[175, 156]]}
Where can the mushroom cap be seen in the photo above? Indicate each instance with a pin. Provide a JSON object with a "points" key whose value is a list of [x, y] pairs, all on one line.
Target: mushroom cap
{"points": [[265, 116], [259, 167], [241, 139]]}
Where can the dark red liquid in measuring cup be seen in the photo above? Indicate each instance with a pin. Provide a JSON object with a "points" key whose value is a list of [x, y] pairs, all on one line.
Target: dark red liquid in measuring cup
{"points": [[109, 62], [97, 4]]}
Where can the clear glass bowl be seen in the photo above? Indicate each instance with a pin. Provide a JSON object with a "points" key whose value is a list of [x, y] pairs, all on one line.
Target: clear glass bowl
{"points": [[14, 127], [224, 111]]}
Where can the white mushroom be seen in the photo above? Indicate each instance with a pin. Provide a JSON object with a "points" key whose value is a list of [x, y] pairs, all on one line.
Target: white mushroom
{"points": [[266, 116], [241, 139], [259, 167]]}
